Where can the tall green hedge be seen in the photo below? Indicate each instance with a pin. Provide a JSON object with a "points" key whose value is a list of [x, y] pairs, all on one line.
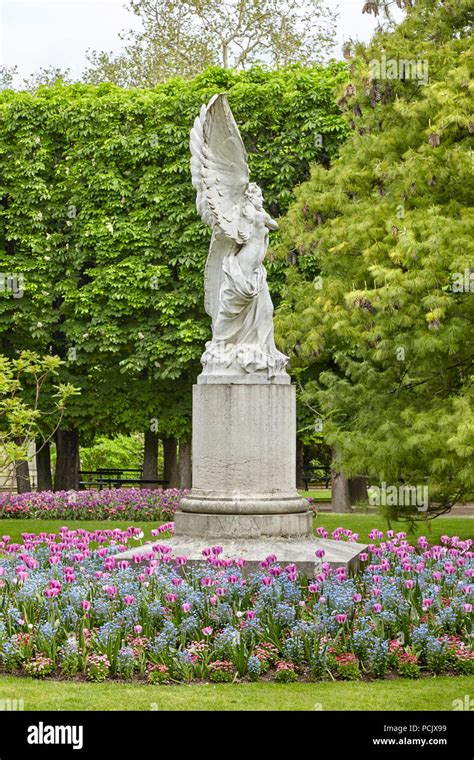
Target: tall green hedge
{"points": [[97, 213]]}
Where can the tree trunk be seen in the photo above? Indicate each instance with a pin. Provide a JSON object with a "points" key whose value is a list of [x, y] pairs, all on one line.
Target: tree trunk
{"points": [[66, 474], [22, 471], [340, 497], [170, 456], [150, 459], [184, 464], [358, 490], [225, 56], [43, 465], [300, 484]]}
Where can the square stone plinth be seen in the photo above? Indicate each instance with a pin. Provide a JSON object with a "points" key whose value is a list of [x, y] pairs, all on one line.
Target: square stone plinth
{"points": [[300, 552]]}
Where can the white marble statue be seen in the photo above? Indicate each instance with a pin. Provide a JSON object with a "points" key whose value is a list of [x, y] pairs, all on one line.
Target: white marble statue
{"points": [[236, 290]]}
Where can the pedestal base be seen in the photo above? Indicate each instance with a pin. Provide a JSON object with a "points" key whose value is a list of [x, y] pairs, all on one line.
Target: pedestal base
{"points": [[300, 552], [244, 496], [217, 526], [244, 462]]}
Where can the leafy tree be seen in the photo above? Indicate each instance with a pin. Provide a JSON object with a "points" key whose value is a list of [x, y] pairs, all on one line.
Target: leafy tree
{"points": [[378, 312], [184, 38], [123, 452], [98, 219], [23, 381]]}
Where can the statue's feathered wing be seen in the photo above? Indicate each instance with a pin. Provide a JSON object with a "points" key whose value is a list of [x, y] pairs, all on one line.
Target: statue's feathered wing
{"points": [[221, 177]]}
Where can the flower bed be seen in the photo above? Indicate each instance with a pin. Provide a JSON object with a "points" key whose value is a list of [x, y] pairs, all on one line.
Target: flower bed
{"points": [[69, 608], [109, 504]]}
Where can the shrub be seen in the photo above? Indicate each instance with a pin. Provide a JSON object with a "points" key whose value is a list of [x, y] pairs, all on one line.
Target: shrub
{"points": [[407, 665], [285, 672], [39, 667], [157, 673], [98, 667], [221, 671]]}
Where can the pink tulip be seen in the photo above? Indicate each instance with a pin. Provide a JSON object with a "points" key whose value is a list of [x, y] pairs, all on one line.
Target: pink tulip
{"points": [[85, 604], [137, 629], [128, 599], [341, 618], [186, 607], [207, 631], [51, 592]]}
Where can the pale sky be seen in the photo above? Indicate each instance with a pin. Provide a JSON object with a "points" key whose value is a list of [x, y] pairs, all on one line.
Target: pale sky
{"points": [[43, 33]]}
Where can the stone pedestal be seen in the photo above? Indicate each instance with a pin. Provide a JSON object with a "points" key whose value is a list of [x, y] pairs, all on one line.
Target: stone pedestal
{"points": [[244, 495], [244, 459]]}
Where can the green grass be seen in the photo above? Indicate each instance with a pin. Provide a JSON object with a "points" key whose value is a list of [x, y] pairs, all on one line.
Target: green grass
{"points": [[16, 527], [425, 694], [320, 494], [433, 529], [362, 524]]}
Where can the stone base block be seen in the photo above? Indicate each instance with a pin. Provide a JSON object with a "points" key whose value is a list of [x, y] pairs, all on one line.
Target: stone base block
{"points": [[217, 526], [300, 552], [244, 449], [240, 504]]}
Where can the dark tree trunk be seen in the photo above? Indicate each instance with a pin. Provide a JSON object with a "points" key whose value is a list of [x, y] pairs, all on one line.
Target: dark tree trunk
{"points": [[150, 459], [170, 456], [340, 497], [22, 471], [184, 464], [66, 474], [300, 484], [43, 465], [358, 490]]}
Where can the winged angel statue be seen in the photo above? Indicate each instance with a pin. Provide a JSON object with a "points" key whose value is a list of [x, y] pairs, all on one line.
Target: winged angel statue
{"points": [[235, 280]]}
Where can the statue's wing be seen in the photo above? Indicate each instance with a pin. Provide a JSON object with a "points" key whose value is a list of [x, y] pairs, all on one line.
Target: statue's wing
{"points": [[221, 246], [219, 168], [220, 175]]}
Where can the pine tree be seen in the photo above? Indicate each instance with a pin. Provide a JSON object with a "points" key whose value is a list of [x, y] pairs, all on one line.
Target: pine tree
{"points": [[378, 311]]}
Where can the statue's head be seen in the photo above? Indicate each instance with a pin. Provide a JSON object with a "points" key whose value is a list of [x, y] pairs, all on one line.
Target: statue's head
{"points": [[255, 195]]}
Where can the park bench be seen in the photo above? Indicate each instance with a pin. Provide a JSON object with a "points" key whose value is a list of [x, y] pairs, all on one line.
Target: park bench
{"points": [[114, 478], [316, 476]]}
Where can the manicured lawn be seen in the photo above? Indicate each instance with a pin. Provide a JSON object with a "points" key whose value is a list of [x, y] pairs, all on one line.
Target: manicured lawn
{"points": [[433, 529], [362, 524], [319, 494], [15, 528], [425, 694]]}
